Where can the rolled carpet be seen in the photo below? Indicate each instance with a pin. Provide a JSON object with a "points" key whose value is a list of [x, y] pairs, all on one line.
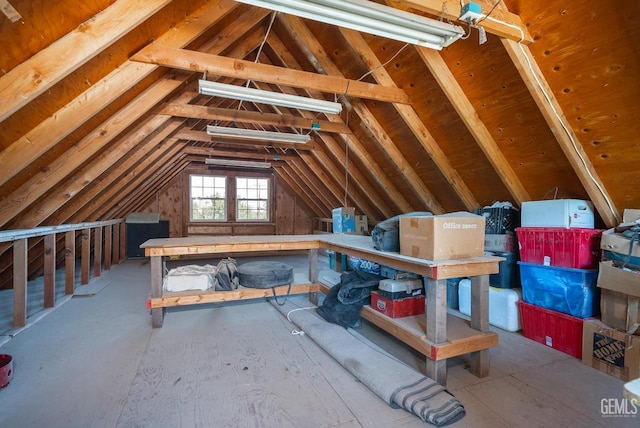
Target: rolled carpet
{"points": [[390, 379]]}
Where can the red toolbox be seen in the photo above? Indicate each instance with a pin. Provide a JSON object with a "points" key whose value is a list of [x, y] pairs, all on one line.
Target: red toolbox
{"points": [[397, 308]]}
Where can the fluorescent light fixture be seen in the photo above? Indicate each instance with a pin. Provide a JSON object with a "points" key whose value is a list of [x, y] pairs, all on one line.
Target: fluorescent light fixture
{"points": [[255, 134], [370, 17], [245, 164], [243, 93]]}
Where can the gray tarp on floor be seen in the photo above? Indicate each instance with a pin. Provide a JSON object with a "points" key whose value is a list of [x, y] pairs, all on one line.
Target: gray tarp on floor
{"points": [[396, 383]]}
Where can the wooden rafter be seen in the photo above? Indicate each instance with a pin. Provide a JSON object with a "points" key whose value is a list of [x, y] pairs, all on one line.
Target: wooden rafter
{"points": [[43, 70], [413, 121], [511, 27], [568, 140], [183, 59], [51, 131], [458, 99]]}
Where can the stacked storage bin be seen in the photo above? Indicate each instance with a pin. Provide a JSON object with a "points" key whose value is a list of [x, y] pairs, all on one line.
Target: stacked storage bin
{"points": [[501, 221], [559, 253]]}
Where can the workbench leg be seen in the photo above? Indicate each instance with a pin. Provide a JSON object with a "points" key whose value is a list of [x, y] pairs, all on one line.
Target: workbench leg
{"points": [[480, 322], [436, 312], [313, 274], [157, 314]]}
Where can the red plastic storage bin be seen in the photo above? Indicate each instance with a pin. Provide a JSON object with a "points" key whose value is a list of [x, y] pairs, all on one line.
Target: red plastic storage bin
{"points": [[554, 329], [556, 246]]}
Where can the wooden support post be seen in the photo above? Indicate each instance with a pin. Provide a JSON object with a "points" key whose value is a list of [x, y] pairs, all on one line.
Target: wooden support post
{"points": [[69, 261], [313, 274], [85, 256], [50, 270], [97, 251], [116, 244], [20, 259], [107, 246], [480, 321], [436, 313], [157, 314], [123, 241]]}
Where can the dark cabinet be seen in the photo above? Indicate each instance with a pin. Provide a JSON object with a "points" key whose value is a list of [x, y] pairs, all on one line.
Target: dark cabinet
{"points": [[137, 233]]}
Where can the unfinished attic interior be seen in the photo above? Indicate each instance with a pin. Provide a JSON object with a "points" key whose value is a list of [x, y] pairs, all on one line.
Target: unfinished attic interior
{"points": [[139, 138]]}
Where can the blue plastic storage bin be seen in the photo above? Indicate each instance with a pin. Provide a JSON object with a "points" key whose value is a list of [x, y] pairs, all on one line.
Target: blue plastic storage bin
{"points": [[567, 290]]}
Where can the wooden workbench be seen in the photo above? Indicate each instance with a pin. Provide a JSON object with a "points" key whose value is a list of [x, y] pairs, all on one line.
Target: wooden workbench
{"points": [[436, 335]]}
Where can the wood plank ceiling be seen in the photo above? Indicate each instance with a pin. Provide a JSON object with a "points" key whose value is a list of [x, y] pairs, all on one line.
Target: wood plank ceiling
{"points": [[99, 106]]}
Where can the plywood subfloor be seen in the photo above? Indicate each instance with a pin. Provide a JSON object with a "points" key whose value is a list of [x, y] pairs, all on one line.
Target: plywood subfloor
{"points": [[95, 361]]}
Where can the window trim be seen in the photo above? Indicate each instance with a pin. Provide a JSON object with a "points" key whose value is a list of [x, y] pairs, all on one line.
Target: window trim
{"points": [[268, 199], [225, 199]]}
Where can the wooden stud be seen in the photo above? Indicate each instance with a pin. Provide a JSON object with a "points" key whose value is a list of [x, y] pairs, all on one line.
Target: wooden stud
{"points": [[69, 261], [108, 239], [20, 278], [97, 251], [50, 270], [85, 256], [480, 321]]}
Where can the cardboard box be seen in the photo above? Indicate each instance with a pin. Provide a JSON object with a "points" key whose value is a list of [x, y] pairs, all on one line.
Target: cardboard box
{"points": [[630, 215], [619, 298], [502, 243], [362, 224], [397, 308], [458, 235], [344, 219], [610, 351], [557, 213], [615, 242]]}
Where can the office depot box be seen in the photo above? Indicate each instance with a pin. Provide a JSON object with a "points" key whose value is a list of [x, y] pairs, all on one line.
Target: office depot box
{"points": [[344, 219], [554, 329], [556, 246], [503, 305], [458, 235], [567, 290], [400, 288], [610, 351], [557, 213], [507, 243], [397, 308], [619, 298]]}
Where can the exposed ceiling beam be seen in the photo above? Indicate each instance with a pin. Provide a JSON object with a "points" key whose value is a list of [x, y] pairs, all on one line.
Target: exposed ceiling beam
{"points": [[46, 68], [183, 59], [244, 116], [91, 144], [190, 135], [450, 9], [66, 120], [302, 192], [412, 119], [458, 99], [568, 140], [209, 151]]}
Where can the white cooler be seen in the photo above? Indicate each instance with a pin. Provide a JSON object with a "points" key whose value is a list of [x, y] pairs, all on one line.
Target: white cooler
{"points": [[557, 213], [503, 305]]}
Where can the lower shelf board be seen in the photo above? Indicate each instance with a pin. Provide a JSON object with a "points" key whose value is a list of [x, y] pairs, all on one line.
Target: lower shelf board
{"points": [[183, 298]]}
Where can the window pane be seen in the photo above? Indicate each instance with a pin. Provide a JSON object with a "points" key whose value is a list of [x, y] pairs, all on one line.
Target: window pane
{"points": [[252, 199], [208, 197]]}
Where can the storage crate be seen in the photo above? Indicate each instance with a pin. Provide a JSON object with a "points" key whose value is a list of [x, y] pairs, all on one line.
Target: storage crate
{"points": [[500, 220], [557, 246], [452, 293], [332, 260], [508, 275], [567, 290], [554, 329]]}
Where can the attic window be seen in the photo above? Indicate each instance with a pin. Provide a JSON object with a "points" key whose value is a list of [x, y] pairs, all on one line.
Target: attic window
{"points": [[208, 197], [252, 203]]}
